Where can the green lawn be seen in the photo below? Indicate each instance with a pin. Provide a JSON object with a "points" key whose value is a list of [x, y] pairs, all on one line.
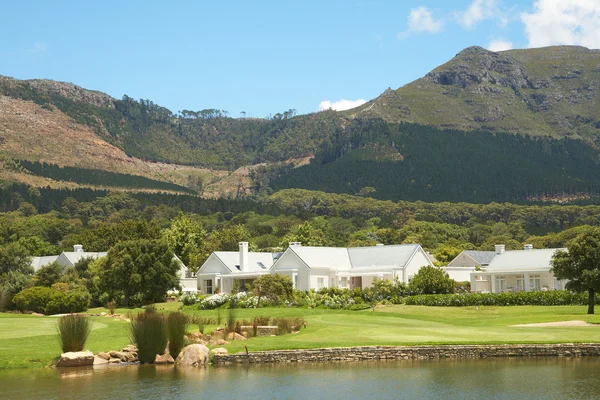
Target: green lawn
{"points": [[29, 341]]}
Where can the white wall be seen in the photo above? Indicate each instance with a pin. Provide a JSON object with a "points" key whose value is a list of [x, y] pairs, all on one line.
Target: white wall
{"points": [[288, 264], [189, 284], [459, 274], [419, 260]]}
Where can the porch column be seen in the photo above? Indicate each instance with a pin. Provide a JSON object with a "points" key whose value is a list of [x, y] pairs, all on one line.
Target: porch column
{"points": [[493, 283], [526, 283], [473, 279]]}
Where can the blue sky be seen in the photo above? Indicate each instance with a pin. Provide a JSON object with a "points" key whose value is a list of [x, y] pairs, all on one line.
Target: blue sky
{"points": [[265, 57]]}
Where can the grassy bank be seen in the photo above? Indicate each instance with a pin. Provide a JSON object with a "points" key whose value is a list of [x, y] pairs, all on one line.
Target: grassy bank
{"points": [[29, 341]]}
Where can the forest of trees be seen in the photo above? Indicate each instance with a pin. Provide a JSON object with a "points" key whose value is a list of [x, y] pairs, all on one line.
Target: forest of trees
{"points": [[433, 165], [98, 177]]}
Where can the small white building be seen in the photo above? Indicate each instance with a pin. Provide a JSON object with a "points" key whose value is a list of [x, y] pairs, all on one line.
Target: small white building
{"points": [[222, 268], [517, 270], [355, 267], [461, 267], [67, 259]]}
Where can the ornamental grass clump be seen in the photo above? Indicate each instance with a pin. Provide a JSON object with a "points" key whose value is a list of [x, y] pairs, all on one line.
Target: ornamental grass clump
{"points": [[176, 323], [149, 333], [73, 331]]}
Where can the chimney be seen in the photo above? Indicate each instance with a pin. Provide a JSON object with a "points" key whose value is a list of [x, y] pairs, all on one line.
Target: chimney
{"points": [[78, 248], [243, 256], [528, 247], [500, 248], [295, 244]]}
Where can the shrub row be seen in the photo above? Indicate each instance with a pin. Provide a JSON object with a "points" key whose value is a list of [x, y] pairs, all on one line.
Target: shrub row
{"points": [[539, 298], [48, 301]]}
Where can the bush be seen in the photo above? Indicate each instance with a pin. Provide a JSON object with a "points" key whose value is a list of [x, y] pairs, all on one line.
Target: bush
{"points": [[188, 299], [539, 298], [149, 333], [73, 331], [431, 280], [47, 300], [176, 322]]}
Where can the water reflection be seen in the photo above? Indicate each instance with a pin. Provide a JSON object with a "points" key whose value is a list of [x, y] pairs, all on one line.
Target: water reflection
{"points": [[517, 378]]}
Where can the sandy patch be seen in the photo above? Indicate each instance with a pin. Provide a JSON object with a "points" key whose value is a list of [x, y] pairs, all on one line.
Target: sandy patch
{"points": [[559, 323]]}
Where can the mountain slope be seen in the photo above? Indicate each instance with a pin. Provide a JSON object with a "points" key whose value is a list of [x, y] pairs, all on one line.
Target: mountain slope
{"points": [[547, 91]]}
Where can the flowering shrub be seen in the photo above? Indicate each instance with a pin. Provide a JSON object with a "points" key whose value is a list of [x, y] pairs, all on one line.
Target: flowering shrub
{"points": [[188, 299], [539, 298], [238, 300], [213, 301]]}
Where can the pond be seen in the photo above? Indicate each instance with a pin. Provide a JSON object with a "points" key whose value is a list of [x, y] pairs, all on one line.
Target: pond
{"points": [[516, 378]]}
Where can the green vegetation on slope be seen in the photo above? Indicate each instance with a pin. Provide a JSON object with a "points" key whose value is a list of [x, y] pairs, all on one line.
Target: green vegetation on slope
{"points": [[423, 163], [98, 177]]}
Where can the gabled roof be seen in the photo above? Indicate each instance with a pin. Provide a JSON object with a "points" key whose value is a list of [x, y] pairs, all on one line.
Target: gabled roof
{"points": [[257, 261], [39, 262], [323, 257], [482, 257], [522, 260], [75, 256], [345, 259], [382, 256]]}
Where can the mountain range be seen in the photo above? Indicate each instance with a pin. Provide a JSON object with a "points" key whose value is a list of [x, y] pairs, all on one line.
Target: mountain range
{"points": [[486, 126]]}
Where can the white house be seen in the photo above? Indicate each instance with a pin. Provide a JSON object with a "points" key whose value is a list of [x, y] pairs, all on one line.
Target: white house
{"points": [[355, 267], [517, 270], [461, 267], [67, 259], [223, 268]]}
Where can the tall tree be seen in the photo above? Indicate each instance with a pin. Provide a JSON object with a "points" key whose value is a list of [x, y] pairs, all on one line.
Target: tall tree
{"points": [[580, 264], [138, 272]]}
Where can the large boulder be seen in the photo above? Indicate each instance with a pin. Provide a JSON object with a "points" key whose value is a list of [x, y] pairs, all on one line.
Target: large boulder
{"points": [[103, 355], [193, 355], [236, 336], [100, 361], [76, 359]]}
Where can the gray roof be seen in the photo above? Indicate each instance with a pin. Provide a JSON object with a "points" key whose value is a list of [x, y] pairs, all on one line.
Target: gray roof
{"points": [[323, 257], [75, 256], [522, 260], [345, 259], [39, 262], [482, 257], [257, 262], [382, 256]]}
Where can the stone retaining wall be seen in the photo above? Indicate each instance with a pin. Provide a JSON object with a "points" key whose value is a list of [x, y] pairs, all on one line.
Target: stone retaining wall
{"points": [[410, 352]]}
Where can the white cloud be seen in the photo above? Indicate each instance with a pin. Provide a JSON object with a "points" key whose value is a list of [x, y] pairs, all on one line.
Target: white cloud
{"points": [[556, 22], [340, 105], [38, 48], [478, 11], [421, 20], [499, 45]]}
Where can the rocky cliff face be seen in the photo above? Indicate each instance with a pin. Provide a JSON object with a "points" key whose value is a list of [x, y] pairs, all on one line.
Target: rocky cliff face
{"points": [[547, 91], [65, 89]]}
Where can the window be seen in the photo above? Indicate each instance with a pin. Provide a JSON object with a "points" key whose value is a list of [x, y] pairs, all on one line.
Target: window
{"points": [[520, 283], [208, 284], [320, 283], [343, 282], [295, 281], [500, 284], [535, 282]]}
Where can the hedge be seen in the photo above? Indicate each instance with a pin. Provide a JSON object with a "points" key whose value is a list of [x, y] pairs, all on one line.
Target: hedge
{"points": [[539, 298], [48, 301]]}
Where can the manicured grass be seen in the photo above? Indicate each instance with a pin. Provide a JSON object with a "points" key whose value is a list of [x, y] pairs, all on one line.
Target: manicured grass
{"points": [[411, 325], [28, 341]]}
